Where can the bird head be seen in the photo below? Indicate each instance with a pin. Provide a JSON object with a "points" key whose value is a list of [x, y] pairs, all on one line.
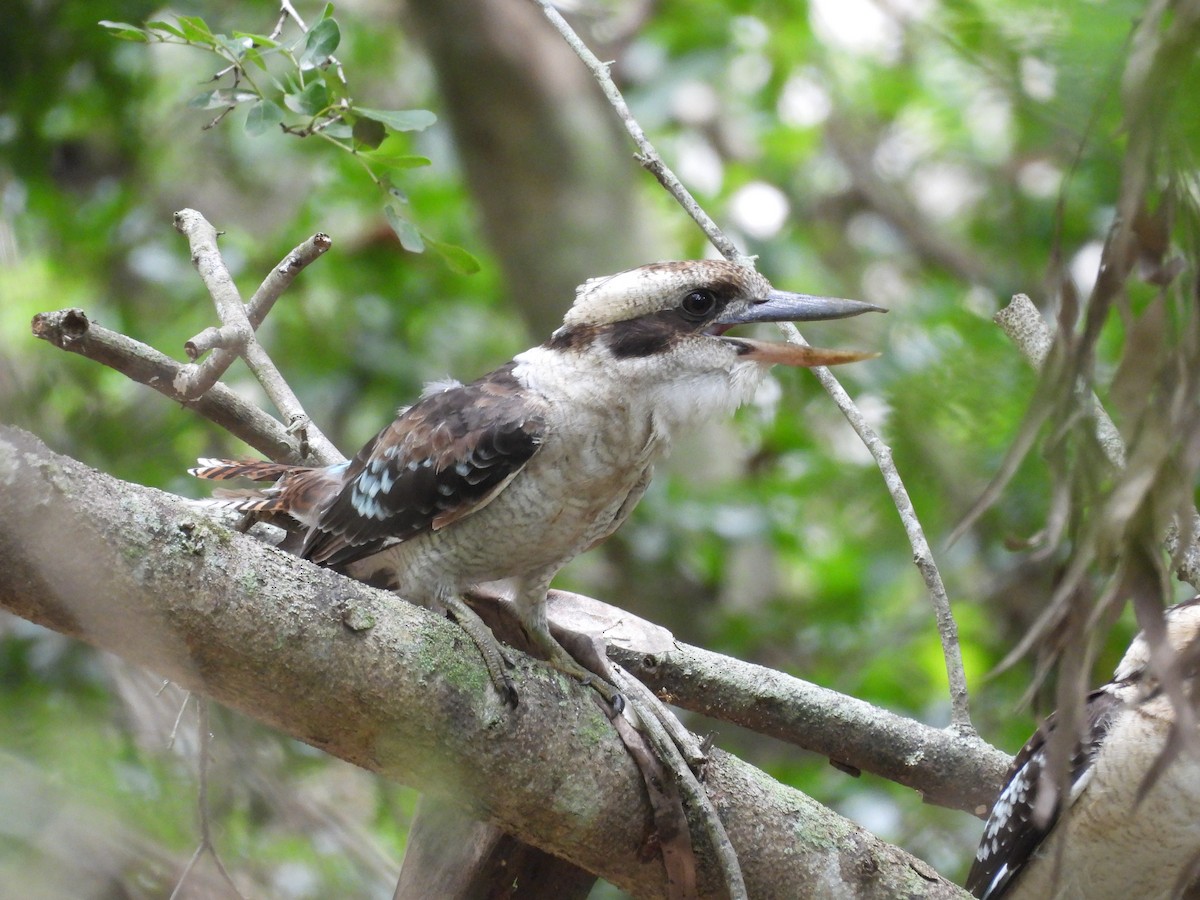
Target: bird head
{"points": [[682, 311], [1181, 631]]}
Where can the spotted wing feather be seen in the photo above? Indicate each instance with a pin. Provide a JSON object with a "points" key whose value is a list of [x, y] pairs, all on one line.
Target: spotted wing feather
{"points": [[442, 459], [1013, 834]]}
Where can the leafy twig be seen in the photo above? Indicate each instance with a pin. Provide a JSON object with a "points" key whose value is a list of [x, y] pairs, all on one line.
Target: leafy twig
{"points": [[298, 98]]}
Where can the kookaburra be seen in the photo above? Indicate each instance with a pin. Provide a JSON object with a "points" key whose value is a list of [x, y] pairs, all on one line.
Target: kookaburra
{"points": [[510, 477], [1128, 827]]}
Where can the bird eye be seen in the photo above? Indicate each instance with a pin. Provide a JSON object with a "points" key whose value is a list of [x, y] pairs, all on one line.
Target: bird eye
{"points": [[699, 304]]}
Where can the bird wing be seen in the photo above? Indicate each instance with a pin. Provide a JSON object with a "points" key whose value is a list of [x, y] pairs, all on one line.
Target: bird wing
{"points": [[443, 458], [1012, 833]]}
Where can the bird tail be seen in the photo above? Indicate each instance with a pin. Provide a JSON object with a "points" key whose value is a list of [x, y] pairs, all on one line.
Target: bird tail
{"points": [[300, 492], [254, 469]]}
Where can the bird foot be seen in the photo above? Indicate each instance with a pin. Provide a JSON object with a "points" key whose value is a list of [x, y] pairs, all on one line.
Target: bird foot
{"points": [[494, 657], [589, 671], [587, 664]]}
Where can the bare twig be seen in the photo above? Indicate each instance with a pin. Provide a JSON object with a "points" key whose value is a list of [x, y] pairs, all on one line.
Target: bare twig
{"points": [[211, 338], [281, 277], [960, 715], [71, 329], [194, 380], [178, 717]]}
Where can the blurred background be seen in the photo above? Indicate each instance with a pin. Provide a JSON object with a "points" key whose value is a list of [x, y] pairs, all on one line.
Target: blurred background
{"points": [[932, 158]]}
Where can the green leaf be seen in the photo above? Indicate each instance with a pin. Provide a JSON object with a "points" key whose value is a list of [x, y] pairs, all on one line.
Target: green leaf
{"points": [[221, 97], [338, 91], [320, 44], [195, 29], [401, 119], [260, 40], [397, 160], [406, 231], [393, 153], [167, 27], [310, 101], [262, 116], [369, 133], [235, 47], [458, 259], [125, 32], [255, 57], [203, 101]]}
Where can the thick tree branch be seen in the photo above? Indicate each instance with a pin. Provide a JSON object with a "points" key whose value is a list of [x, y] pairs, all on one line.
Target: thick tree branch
{"points": [[385, 685], [948, 768]]}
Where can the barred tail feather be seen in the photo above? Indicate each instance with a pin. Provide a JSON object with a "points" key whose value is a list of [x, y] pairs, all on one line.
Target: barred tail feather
{"points": [[301, 492], [254, 469], [245, 504]]}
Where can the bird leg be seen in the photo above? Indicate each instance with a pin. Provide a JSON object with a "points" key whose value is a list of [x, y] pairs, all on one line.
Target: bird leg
{"points": [[586, 662], [489, 648]]}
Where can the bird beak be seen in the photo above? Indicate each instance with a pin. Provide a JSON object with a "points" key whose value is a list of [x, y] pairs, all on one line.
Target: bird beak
{"points": [[782, 306]]}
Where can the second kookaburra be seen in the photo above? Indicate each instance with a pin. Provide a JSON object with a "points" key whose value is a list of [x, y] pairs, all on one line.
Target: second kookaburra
{"points": [[1125, 825], [513, 475]]}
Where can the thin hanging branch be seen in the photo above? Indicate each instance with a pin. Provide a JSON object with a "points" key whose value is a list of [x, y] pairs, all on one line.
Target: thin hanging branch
{"points": [[960, 715], [1023, 324], [206, 843], [647, 155]]}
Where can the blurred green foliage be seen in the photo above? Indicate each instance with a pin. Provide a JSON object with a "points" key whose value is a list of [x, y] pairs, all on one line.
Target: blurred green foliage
{"points": [[934, 159]]}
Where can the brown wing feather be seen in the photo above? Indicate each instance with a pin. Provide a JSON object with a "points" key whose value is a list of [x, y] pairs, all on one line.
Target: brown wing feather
{"points": [[442, 459]]}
